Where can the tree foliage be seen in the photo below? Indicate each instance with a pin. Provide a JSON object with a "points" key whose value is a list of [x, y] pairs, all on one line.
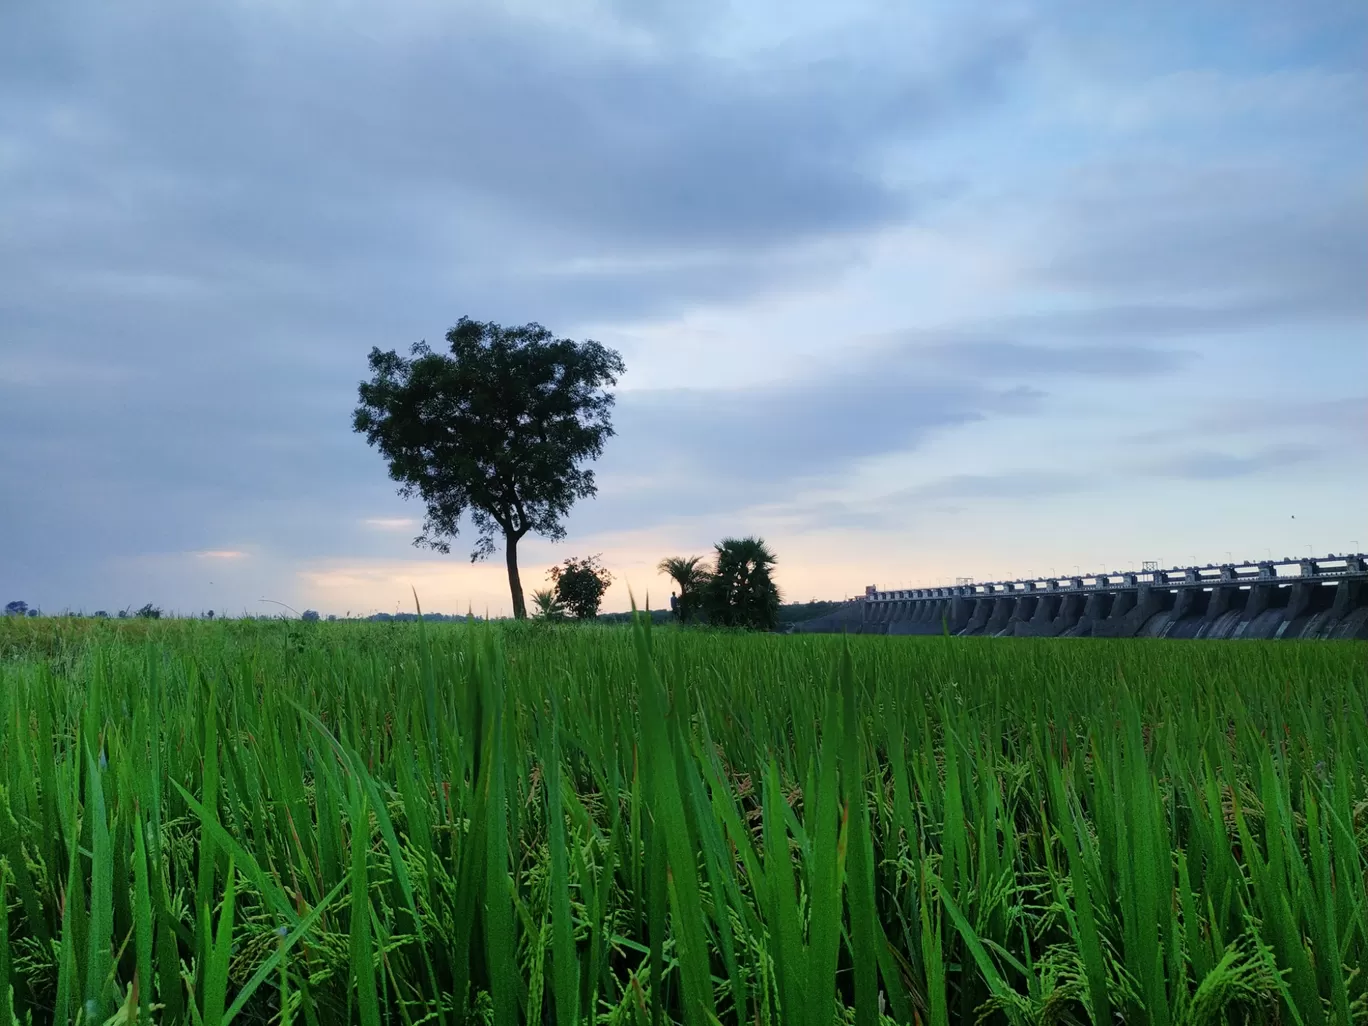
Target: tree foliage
{"points": [[16, 608], [547, 605], [741, 591], [690, 575], [498, 429], [580, 584]]}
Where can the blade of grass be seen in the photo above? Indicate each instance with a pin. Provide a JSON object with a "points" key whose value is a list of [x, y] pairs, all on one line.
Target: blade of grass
{"points": [[7, 1017], [564, 961], [142, 915], [362, 961], [277, 959], [216, 973], [100, 935]]}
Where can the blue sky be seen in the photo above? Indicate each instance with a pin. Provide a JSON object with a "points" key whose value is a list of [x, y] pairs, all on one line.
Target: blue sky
{"points": [[913, 291]]}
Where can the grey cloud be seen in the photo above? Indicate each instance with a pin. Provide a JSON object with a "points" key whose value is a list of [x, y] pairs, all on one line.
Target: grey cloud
{"points": [[943, 496], [839, 515], [689, 453], [475, 143], [1020, 347], [212, 188], [1337, 420], [1015, 484], [1157, 322], [809, 428], [1212, 465], [1283, 237], [998, 357]]}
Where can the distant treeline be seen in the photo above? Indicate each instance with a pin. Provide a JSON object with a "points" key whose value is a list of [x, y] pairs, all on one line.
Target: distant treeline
{"points": [[789, 613], [797, 612], [410, 617]]}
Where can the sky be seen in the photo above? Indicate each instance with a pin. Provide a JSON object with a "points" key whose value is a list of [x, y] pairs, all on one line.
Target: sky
{"points": [[915, 291]]}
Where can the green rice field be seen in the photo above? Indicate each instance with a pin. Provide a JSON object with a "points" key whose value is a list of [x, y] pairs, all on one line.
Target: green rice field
{"points": [[409, 824]]}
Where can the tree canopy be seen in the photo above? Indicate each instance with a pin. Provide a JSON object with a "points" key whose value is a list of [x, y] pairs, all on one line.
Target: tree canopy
{"points": [[580, 584], [741, 591], [498, 429]]}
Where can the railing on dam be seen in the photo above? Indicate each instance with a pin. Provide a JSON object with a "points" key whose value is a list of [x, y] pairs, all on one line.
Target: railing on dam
{"points": [[1281, 571], [1312, 597]]}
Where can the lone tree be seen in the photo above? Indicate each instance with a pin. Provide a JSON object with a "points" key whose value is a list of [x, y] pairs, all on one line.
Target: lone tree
{"points": [[500, 429], [580, 584], [741, 592]]}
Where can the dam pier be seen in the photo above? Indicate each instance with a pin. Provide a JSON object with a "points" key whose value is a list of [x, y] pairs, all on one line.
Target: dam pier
{"points": [[1295, 598]]}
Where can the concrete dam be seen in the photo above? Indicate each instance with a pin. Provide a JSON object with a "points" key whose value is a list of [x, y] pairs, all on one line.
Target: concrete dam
{"points": [[1302, 598]]}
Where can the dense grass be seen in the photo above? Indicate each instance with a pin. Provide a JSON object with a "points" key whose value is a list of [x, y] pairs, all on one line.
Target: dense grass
{"points": [[335, 823]]}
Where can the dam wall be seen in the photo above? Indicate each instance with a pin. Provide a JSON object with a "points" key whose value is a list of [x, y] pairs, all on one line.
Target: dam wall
{"points": [[1301, 598]]}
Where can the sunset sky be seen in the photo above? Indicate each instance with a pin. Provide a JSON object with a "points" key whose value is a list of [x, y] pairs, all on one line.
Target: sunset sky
{"points": [[912, 290]]}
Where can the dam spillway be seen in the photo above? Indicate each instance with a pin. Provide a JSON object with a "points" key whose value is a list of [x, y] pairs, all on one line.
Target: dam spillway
{"points": [[1301, 598]]}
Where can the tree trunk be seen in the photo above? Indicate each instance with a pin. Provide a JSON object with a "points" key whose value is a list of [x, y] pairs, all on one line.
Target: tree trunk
{"points": [[514, 584]]}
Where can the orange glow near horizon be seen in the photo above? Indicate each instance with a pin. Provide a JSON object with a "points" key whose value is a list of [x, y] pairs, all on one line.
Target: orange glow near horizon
{"points": [[806, 570]]}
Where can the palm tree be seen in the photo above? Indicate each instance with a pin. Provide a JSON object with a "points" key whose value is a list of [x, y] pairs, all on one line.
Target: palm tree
{"points": [[691, 575], [741, 592], [548, 605]]}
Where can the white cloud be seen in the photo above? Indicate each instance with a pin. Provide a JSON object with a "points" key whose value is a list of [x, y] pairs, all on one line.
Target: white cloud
{"points": [[391, 523]]}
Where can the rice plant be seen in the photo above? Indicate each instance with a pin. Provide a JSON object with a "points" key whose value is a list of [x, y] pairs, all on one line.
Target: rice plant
{"points": [[413, 823]]}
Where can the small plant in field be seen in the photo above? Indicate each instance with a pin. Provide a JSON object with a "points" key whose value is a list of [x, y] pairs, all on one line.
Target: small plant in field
{"points": [[580, 584], [547, 605]]}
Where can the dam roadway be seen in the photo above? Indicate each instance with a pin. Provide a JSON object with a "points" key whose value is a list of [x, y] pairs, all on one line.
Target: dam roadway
{"points": [[1294, 598]]}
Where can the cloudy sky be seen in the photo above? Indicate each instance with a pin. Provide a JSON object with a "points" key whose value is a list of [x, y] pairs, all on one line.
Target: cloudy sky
{"points": [[913, 290]]}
